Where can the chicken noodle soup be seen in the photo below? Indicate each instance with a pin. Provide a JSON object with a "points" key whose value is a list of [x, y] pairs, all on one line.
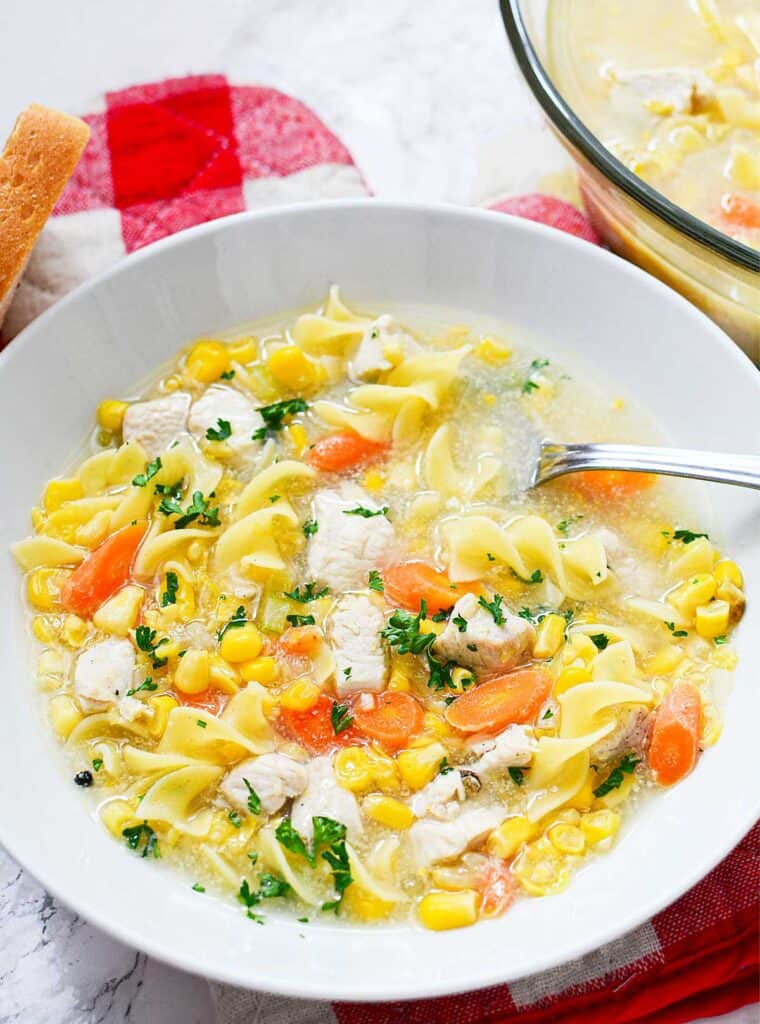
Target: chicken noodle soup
{"points": [[672, 88], [305, 638]]}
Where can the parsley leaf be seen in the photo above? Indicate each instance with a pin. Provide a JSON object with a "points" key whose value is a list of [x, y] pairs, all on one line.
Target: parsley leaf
{"points": [[198, 887], [444, 767], [274, 416], [376, 581], [254, 802], [720, 640], [615, 779], [145, 638], [246, 895], [530, 384], [227, 375], [307, 594], [150, 471], [237, 620], [600, 640], [234, 819], [341, 717], [494, 607], [301, 620], [687, 536], [337, 857], [137, 834], [310, 527], [272, 886], [288, 837], [146, 684], [197, 509], [403, 632], [169, 596], [564, 525], [440, 673], [516, 775], [442, 615], [97, 764], [327, 831], [676, 632], [365, 513], [460, 622], [221, 432]]}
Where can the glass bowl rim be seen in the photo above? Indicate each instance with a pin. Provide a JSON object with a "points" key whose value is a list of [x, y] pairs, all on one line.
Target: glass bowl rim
{"points": [[570, 127]]}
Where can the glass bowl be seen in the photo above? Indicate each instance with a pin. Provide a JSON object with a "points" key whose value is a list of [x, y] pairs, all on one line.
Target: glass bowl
{"points": [[718, 274]]}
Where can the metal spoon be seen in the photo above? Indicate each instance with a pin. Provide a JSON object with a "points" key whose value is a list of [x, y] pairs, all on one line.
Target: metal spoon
{"points": [[555, 459]]}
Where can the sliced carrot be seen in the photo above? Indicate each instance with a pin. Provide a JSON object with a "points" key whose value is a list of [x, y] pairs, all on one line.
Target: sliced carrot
{"points": [[498, 888], [610, 484], [408, 583], [740, 211], [338, 452], [313, 729], [391, 718], [103, 572], [211, 699], [300, 641], [511, 699], [674, 743]]}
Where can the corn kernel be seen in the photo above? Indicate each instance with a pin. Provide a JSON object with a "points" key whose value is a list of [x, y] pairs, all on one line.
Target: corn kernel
{"points": [[292, 368], [712, 725], [571, 676], [618, 404], [365, 905], [493, 352], [665, 661], [389, 812], [43, 588], [726, 570], [373, 480], [541, 871], [384, 770], [111, 414], [241, 644], [461, 679], [64, 715], [119, 613], [75, 631], [549, 636], [600, 825], [579, 648], [435, 725], [505, 840], [298, 437], [440, 911], [243, 350], [489, 399], [712, 619], [264, 670], [207, 361], [162, 704], [59, 491], [399, 680], [192, 673], [117, 815], [45, 629], [420, 764], [222, 676], [300, 695], [695, 591], [567, 839], [353, 769]]}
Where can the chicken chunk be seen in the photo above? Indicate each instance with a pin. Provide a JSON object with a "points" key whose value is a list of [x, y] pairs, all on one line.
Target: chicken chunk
{"points": [[104, 673], [346, 546], [274, 778], [383, 338], [434, 841], [438, 798], [222, 403], [512, 748], [629, 735], [325, 798], [484, 645], [354, 632], [158, 423], [666, 91]]}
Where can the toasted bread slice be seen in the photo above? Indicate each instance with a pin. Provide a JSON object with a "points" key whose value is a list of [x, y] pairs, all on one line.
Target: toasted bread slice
{"points": [[40, 155]]}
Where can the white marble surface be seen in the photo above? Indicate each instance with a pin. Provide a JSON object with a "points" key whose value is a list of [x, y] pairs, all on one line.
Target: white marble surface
{"points": [[426, 97]]}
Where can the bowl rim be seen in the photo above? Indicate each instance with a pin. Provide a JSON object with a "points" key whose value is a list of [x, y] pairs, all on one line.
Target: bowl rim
{"points": [[43, 871], [571, 128]]}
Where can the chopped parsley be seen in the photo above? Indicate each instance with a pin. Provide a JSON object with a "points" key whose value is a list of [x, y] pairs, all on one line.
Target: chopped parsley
{"points": [[307, 594], [145, 638], [271, 887], [97, 764], [234, 819], [547, 714], [198, 887], [341, 717], [535, 577], [376, 581], [227, 375], [150, 471], [615, 779], [252, 857], [600, 640], [142, 835], [687, 536], [564, 525], [442, 615], [365, 513], [440, 673], [444, 767], [330, 838], [274, 416], [310, 527], [460, 622], [516, 775], [169, 596], [403, 632], [146, 684], [301, 620], [200, 723], [717, 640], [494, 607], [676, 632], [220, 432], [197, 509], [238, 619], [254, 802], [274, 497], [530, 384], [288, 837], [347, 672], [490, 557]]}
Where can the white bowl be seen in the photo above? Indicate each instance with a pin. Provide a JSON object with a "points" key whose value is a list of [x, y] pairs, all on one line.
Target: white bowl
{"points": [[108, 335]]}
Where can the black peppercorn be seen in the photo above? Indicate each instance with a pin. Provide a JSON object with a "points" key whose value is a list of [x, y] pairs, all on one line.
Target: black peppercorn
{"points": [[83, 778]]}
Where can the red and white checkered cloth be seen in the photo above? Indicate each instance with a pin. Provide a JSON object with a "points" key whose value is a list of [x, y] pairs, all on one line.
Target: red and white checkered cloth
{"points": [[165, 156]]}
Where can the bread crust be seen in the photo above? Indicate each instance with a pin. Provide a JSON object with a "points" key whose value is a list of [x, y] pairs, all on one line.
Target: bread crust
{"points": [[40, 155]]}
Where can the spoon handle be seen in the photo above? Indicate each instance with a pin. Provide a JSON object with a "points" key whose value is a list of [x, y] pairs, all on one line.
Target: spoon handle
{"points": [[556, 459]]}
